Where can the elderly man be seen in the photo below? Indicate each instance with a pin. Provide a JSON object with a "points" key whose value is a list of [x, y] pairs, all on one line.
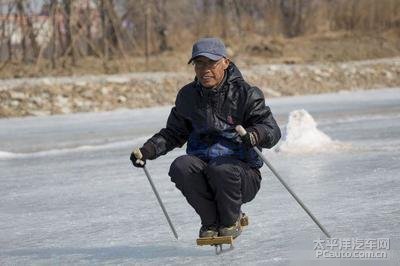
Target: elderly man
{"points": [[221, 170]]}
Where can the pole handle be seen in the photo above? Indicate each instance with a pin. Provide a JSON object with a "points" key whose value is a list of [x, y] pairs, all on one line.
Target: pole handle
{"points": [[240, 130], [138, 154]]}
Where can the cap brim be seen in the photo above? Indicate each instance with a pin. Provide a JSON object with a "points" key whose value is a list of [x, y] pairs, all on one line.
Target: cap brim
{"points": [[213, 57]]}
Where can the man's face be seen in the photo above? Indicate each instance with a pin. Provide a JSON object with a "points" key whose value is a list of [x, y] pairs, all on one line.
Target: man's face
{"points": [[210, 73]]}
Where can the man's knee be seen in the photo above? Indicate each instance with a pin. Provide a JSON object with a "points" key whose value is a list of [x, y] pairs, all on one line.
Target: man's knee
{"points": [[221, 171], [178, 166], [184, 166]]}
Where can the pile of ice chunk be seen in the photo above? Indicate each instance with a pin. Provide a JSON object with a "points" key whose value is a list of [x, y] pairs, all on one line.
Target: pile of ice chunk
{"points": [[301, 135]]}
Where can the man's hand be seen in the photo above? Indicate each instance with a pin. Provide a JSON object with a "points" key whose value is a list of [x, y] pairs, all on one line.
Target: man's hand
{"points": [[251, 138], [139, 156]]}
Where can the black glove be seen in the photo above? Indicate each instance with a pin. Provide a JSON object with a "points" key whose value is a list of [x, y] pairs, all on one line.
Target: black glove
{"points": [[148, 151], [251, 138]]}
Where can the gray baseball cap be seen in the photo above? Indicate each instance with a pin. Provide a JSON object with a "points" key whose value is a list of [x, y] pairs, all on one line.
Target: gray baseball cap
{"points": [[212, 48]]}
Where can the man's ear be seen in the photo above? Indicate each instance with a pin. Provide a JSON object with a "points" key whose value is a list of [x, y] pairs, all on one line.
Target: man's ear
{"points": [[225, 63]]}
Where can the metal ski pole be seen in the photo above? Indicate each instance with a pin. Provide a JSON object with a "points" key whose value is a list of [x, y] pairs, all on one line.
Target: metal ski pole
{"points": [[139, 155], [243, 132]]}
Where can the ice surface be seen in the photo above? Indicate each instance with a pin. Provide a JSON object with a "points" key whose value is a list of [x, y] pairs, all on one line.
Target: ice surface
{"points": [[62, 203]]}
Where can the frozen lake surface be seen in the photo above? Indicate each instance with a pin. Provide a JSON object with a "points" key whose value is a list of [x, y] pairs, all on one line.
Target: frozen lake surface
{"points": [[69, 194]]}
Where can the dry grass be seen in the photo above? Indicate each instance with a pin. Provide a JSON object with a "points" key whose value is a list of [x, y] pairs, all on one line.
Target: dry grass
{"points": [[338, 46]]}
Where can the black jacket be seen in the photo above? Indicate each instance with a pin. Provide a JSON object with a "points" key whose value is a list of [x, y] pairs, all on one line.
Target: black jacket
{"points": [[206, 119]]}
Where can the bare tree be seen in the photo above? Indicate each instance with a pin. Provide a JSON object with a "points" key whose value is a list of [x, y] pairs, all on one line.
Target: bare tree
{"points": [[53, 41], [70, 45], [294, 12], [6, 35]]}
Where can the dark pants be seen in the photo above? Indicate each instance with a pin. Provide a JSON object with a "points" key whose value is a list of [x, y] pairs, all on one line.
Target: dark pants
{"points": [[215, 190]]}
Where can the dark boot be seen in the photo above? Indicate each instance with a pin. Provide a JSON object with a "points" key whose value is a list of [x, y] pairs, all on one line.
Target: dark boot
{"points": [[234, 230], [208, 231]]}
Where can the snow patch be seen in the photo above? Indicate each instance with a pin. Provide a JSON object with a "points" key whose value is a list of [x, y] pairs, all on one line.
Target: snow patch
{"points": [[301, 135], [4, 155], [7, 155]]}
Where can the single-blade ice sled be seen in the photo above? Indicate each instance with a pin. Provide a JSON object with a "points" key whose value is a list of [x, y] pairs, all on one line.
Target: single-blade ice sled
{"points": [[218, 241]]}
